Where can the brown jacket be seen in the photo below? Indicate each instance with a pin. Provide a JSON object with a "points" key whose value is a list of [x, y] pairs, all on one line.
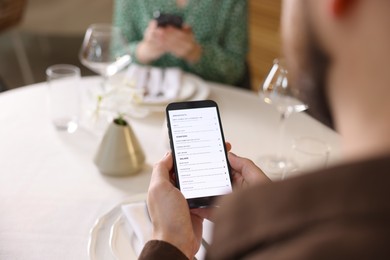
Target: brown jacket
{"points": [[338, 213]]}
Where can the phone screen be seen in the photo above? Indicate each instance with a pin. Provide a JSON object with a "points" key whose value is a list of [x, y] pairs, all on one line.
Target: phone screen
{"points": [[198, 146]]}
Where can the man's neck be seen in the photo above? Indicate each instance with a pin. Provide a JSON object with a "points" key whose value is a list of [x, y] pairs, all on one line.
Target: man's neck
{"points": [[360, 95]]}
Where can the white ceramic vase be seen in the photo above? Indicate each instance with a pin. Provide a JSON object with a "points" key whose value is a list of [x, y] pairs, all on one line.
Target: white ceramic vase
{"points": [[119, 153]]}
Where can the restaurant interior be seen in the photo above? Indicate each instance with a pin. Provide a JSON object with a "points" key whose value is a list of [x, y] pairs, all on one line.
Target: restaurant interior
{"points": [[77, 151], [38, 33]]}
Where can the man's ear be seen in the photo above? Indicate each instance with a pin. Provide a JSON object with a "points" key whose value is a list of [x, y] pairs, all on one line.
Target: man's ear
{"points": [[340, 7]]}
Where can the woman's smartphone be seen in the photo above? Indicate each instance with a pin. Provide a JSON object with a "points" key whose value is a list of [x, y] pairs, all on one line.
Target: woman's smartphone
{"points": [[199, 153], [164, 20]]}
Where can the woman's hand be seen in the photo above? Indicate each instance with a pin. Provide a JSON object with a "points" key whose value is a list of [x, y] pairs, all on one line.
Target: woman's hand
{"points": [[181, 43], [151, 47], [158, 41]]}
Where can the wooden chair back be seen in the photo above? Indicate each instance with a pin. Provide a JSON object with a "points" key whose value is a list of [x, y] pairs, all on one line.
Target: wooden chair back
{"points": [[11, 13], [264, 33]]}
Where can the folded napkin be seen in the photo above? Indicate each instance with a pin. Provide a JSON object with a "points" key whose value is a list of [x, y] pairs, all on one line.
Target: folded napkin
{"points": [[138, 224], [157, 84], [171, 83], [137, 76]]}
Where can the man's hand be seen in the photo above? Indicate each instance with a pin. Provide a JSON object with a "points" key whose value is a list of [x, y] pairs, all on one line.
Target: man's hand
{"points": [[171, 218], [245, 172]]}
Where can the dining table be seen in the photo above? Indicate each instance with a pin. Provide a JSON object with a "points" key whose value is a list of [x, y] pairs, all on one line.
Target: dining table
{"points": [[51, 191]]}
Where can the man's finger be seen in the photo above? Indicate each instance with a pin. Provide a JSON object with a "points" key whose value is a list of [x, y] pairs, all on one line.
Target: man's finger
{"points": [[161, 169], [240, 164], [206, 213], [228, 146], [247, 168]]}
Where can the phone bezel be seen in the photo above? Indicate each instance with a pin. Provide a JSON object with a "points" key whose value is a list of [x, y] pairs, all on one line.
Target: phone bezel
{"points": [[201, 201]]}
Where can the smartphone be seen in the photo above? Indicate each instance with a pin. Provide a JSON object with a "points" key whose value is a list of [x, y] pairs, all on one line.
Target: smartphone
{"points": [[199, 154], [164, 19]]}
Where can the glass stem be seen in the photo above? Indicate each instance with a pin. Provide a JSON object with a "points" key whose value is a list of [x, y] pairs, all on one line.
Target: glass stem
{"points": [[282, 130], [104, 83]]}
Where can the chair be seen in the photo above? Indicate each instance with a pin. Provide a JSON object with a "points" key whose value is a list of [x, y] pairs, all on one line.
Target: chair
{"points": [[11, 14], [264, 37], [3, 87], [246, 81]]}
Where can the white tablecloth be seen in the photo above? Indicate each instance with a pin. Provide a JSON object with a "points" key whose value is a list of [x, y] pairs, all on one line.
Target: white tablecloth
{"points": [[51, 193]]}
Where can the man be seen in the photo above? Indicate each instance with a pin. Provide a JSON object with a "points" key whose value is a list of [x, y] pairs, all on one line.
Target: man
{"points": [[338, 52]]}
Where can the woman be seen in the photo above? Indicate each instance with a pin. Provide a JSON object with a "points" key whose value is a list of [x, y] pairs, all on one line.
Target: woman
{"points": [[212, 42]]}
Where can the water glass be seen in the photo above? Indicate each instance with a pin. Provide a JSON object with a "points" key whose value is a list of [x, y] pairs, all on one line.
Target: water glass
{"points": [[64, 97], [310, 153], [277, 91]]}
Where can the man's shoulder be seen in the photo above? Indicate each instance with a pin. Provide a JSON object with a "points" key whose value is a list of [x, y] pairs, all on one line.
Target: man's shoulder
{"points": [[347, 202], [338, 185]]}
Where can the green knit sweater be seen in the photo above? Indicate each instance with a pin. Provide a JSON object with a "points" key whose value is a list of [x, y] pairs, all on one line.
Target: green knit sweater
{"points": [[220, 27]]}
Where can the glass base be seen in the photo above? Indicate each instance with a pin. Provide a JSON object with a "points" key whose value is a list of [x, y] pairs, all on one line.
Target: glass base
{"points": [[275, 167], [65, 124]]}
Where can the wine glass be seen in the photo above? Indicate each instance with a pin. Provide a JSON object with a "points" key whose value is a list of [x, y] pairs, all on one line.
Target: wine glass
{"points": [[277, 92], [105, 51]]}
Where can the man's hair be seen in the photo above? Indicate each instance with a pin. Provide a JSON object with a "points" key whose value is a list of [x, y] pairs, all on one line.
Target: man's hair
{"points": [[314, 78]]}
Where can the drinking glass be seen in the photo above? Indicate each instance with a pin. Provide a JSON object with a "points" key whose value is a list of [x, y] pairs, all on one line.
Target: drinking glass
{"points": [[104, 51], [310, 153], [277, 92], [63, 81]]}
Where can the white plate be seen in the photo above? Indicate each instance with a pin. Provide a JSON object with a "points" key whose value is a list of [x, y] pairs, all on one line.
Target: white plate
{"points": [[110, 237], [192, 88], [121, 244], [107, 241]]}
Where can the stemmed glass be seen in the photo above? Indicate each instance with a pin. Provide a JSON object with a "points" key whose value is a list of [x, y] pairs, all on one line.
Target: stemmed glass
{"points": [[104, 51], [277, 92]]}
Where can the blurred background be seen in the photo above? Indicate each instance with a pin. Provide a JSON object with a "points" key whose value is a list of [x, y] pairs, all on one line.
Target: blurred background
{"points": [[35, 34]]}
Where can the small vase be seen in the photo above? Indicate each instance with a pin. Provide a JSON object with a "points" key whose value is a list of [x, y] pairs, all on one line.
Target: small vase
{"points": [[119, 153]]}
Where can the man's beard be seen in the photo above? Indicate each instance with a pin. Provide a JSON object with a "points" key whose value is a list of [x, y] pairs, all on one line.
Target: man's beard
{"points": [[312, 78]]}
